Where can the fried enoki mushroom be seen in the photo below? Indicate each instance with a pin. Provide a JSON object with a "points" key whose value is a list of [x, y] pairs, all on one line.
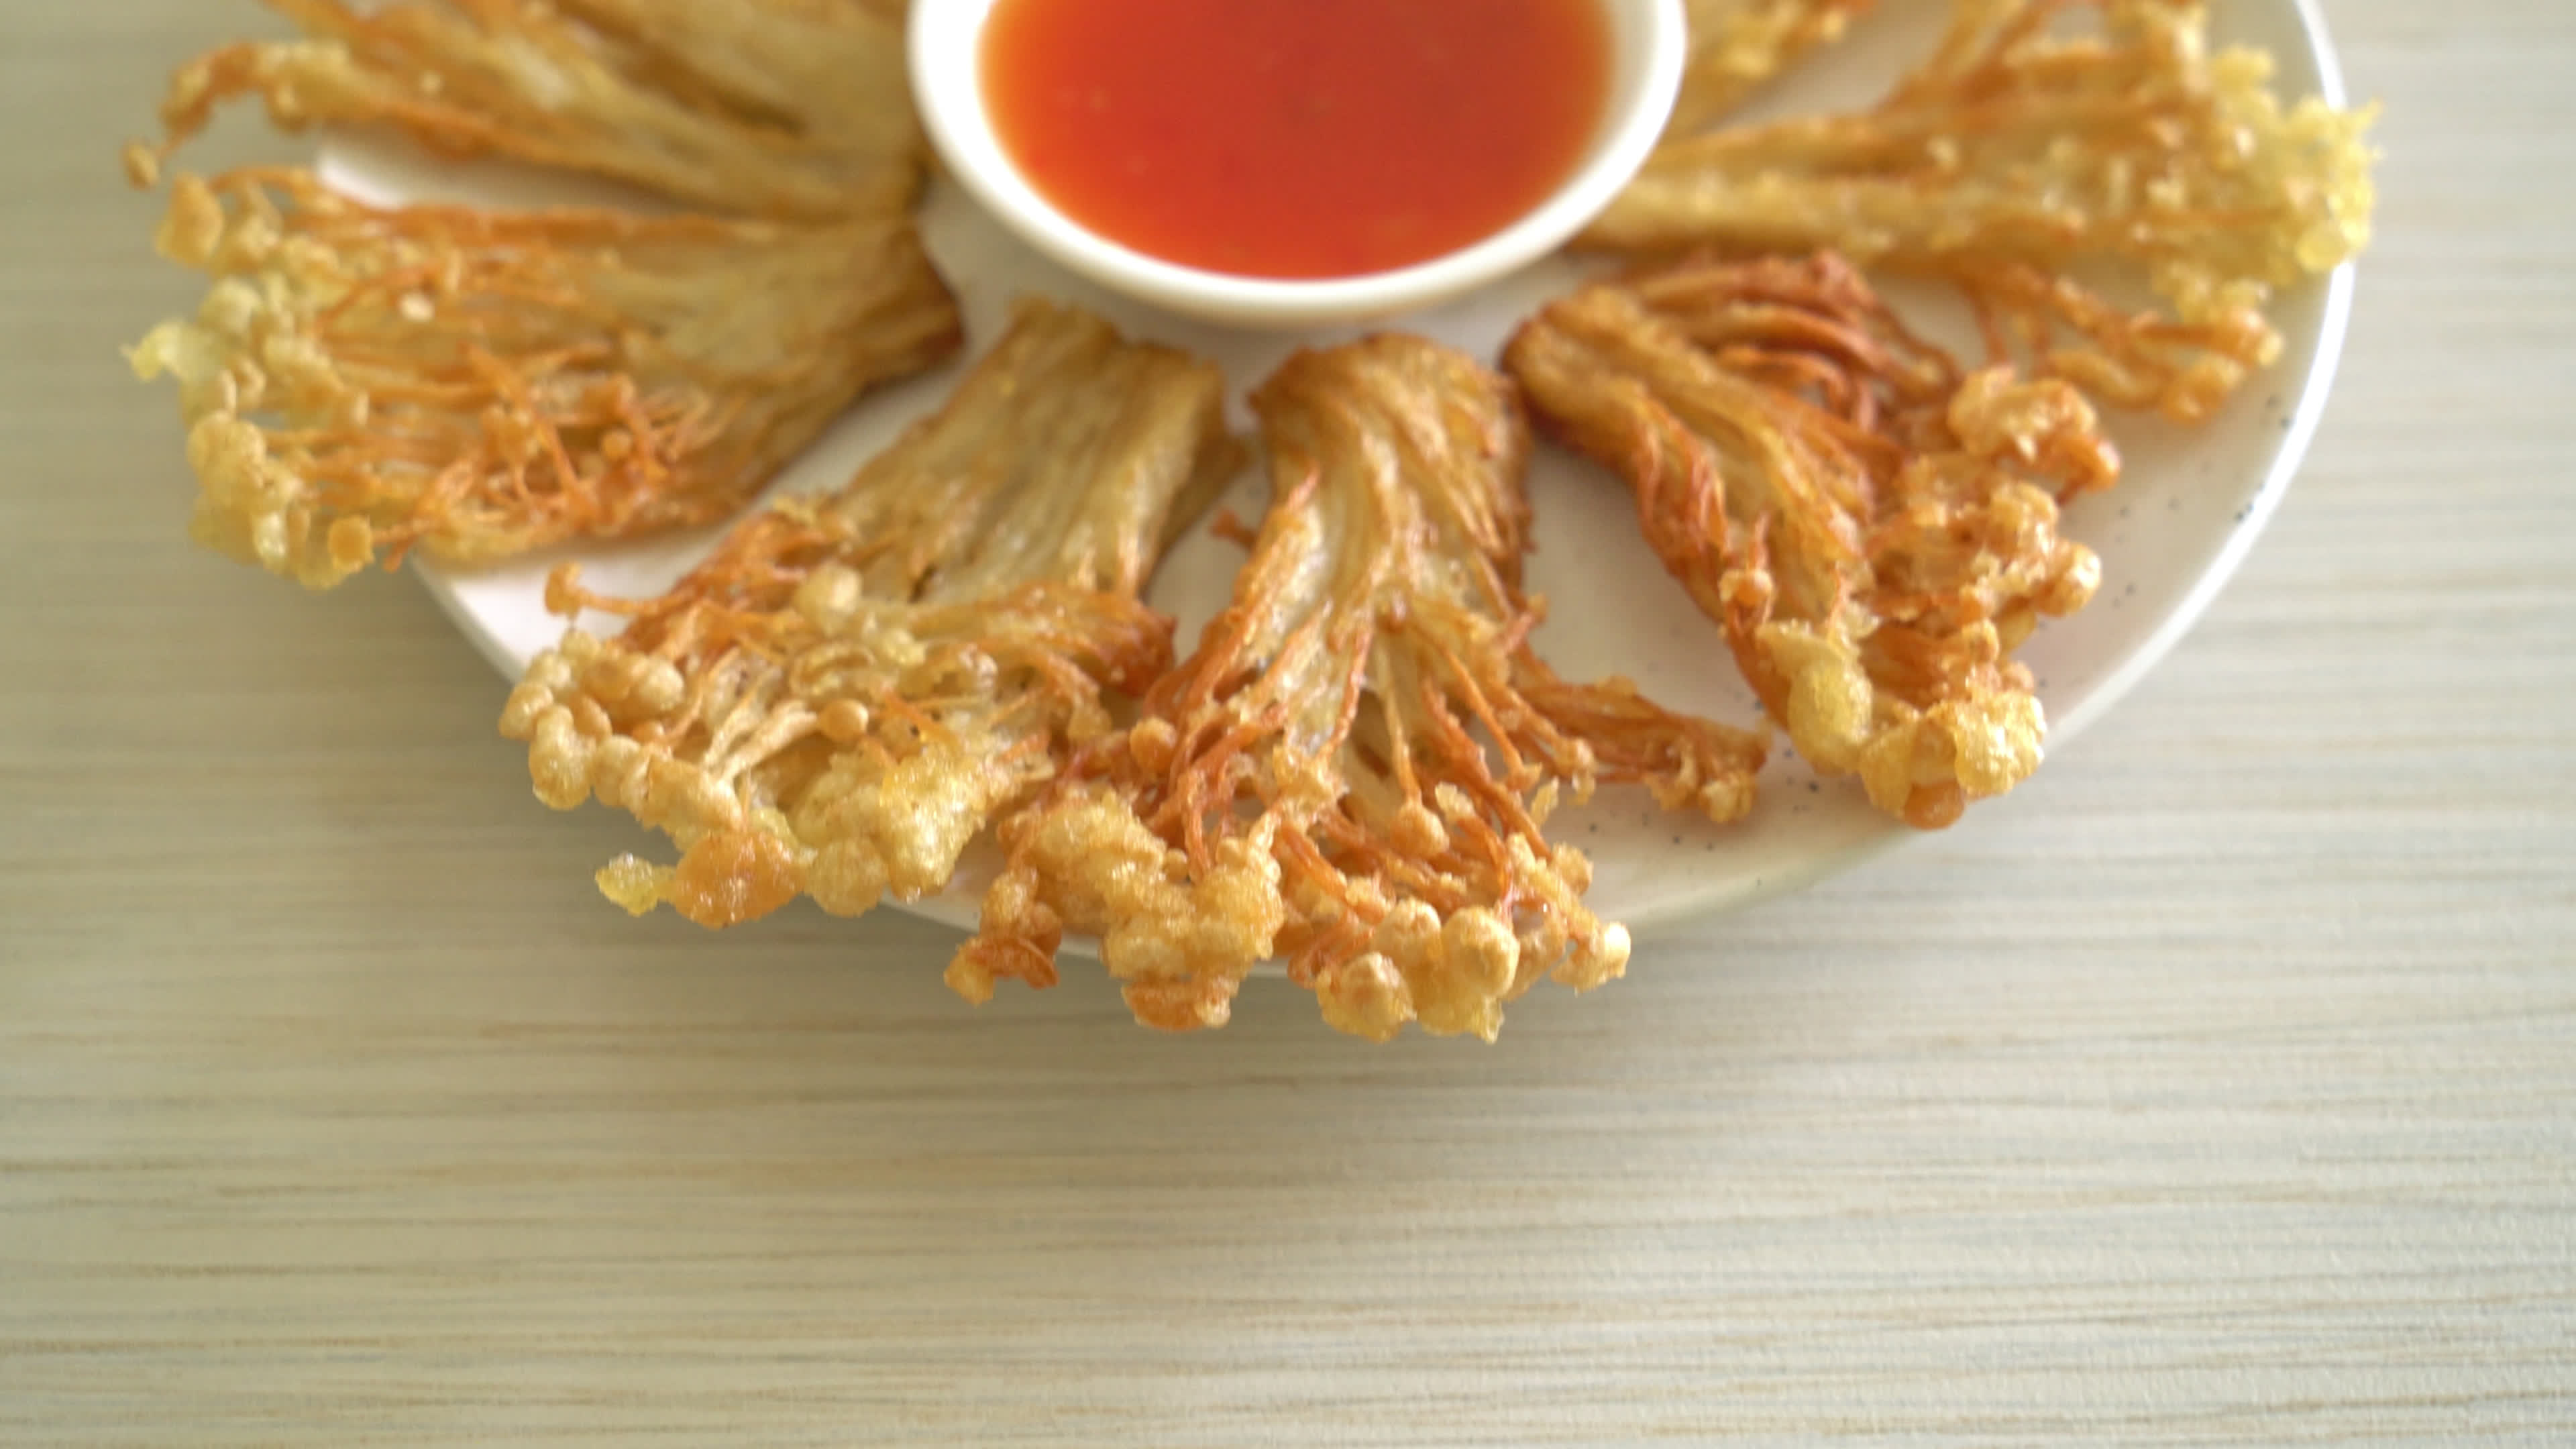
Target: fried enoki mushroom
{"points": [[774, 108], [1738, 45], [1874, 531], [1356, 767], [360, 381], [840, 697], [2018, 154]]}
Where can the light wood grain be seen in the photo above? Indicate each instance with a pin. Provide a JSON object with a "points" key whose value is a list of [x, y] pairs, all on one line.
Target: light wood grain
{"points": [[2218, 1088]]}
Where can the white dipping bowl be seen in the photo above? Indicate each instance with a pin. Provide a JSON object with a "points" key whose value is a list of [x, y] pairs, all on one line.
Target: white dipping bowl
{"points": [[1648, 43]]}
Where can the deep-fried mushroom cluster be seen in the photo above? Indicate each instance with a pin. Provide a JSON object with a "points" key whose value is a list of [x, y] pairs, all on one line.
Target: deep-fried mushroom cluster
{"points": [[1356, 768], [1873, 530], [753, 107], [2018, 154], [364, 380], [843, 696], [1738, 45]]}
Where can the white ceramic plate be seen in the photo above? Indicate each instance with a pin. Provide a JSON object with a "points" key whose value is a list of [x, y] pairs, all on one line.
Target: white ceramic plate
{"points": [[2169, 535]]}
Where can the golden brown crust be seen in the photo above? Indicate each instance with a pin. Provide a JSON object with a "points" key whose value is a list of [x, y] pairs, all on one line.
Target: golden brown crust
{"points": [[1874, 531], [840, 698], [361, 381], [2016, 155], [1355, 767], [776, 108]]}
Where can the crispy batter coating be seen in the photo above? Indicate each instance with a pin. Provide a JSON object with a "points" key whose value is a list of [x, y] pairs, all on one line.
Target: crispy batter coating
{"points": [[774, 108], [1355, 768], [1738, 45], [360, 381], [2017, 154], [1874, 531], [840, 698]]}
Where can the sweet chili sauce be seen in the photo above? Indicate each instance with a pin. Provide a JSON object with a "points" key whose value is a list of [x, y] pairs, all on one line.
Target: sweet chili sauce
{"points": [[1295, 138]]}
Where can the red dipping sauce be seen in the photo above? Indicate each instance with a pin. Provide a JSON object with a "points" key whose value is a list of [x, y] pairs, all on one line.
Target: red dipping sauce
{"points": [[1295, 138]]}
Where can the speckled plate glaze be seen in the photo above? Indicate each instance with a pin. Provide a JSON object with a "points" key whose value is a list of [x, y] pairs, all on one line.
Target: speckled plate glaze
{"points": [[2187, 512]]}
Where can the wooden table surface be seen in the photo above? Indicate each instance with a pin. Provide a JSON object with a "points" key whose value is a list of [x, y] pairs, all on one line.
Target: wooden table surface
{"points": [[2218, 1087]]}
